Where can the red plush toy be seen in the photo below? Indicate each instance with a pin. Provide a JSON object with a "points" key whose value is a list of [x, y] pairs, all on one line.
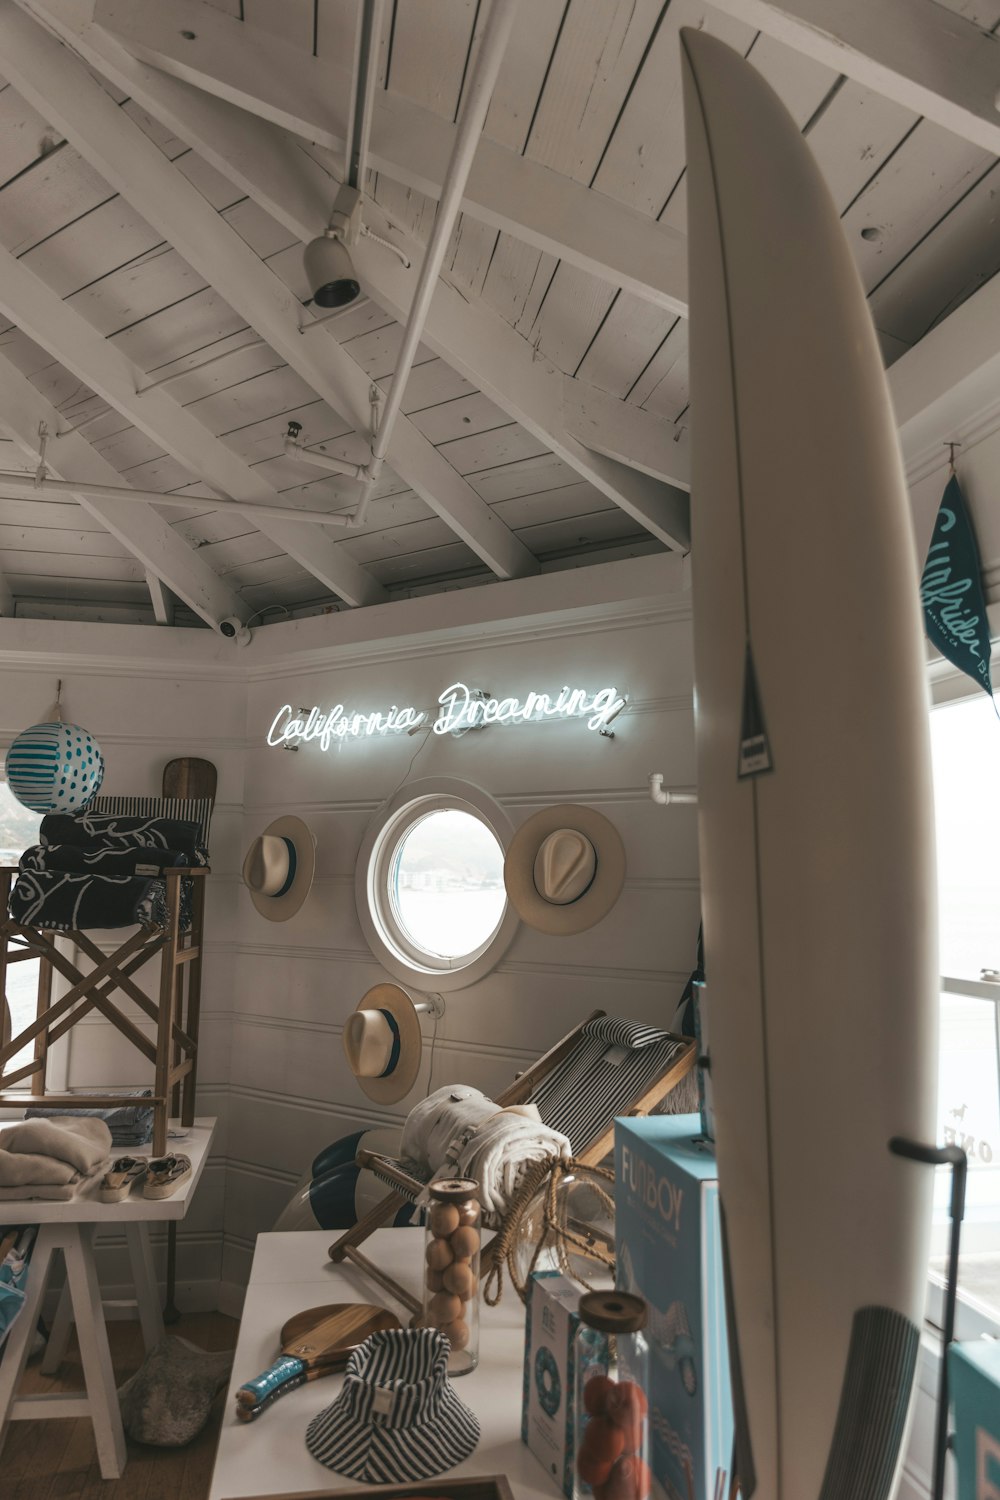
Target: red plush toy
{"points": [[609, 1458]]}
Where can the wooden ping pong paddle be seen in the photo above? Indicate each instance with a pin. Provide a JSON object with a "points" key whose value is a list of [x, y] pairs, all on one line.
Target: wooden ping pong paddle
{"points": [[314, 1342], [188, 776]]}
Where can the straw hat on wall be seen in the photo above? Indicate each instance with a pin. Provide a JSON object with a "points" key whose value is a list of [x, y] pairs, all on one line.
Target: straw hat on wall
{"points": [[384, 1044], [565, 869], [279, 868]]}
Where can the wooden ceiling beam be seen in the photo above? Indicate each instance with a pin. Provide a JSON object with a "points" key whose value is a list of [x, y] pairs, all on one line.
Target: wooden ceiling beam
{"points": [[57, 84], [70, 339], [923, 55], [571, 418], [309, 96], [164, 554]]}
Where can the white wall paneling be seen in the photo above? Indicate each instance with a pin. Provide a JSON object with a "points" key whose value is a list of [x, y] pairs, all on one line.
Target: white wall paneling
{"points": [[145, 706], [276, 995], [296, 983]]}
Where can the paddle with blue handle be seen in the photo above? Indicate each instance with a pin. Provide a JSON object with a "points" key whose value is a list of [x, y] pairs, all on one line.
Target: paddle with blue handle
{"points": [[314, 1343]]}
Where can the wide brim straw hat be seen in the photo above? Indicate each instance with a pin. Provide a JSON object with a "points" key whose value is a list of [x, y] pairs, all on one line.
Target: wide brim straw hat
{"points": [[397, 1418], [565, 869], [384, 1044], [279, 868]]}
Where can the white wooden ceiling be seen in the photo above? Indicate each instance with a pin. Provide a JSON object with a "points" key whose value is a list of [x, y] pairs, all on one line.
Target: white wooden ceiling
{"points": [[119, 267]]}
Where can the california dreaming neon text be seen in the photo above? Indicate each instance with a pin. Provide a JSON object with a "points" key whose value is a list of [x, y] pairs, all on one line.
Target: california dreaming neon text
{"points": [[461, 708]]}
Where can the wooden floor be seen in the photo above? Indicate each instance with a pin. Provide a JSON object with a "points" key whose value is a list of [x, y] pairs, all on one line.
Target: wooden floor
{"points": [[56, 1460]]}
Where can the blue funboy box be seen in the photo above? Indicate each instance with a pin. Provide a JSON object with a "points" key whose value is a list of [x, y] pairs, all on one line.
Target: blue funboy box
{"points": [[669, 1250], [974, 1377]]}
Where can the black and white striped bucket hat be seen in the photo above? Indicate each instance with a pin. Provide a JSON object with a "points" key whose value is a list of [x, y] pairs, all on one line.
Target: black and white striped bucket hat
{"points": [[397, 1417]]}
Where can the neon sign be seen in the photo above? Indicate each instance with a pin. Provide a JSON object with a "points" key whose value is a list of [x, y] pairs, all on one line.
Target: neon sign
{"points": [[460, 709]]}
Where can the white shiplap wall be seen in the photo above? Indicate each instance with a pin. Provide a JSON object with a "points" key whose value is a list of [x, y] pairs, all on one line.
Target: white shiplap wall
{"points": [[295, 983], [148, 696], [276, 995]]}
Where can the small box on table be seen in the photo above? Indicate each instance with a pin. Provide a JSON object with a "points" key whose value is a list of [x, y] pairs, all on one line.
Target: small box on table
{"points": [[669, 1251], [549, 1420], [974, 1378]]}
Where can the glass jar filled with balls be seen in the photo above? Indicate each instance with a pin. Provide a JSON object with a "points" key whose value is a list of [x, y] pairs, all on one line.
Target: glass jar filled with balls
{"points": [[612, 1404], [451, 1269]]}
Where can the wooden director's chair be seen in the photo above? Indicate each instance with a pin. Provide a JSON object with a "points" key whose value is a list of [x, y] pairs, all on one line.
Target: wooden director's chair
{"points": [[577, 1089], [174, 1052]]}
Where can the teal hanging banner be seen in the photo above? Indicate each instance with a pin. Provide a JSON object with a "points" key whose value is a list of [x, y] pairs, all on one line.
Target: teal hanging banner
{"points": [[952, 590]]}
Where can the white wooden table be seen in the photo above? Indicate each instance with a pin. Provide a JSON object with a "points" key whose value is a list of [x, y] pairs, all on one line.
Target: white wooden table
{"points": [[70, 1228], [291, 1272]]}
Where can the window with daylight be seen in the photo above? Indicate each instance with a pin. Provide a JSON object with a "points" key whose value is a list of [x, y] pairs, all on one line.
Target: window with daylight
{"points": [[430, 887], [965, 741], [18, 831]]}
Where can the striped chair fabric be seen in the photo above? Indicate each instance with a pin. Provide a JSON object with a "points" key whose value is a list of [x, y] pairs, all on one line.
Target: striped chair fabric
{"points": [[193, 809]]}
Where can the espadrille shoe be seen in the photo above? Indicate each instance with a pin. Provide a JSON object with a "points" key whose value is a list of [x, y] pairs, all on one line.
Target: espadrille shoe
{"points": [[165, 1175], [117, 1181]]}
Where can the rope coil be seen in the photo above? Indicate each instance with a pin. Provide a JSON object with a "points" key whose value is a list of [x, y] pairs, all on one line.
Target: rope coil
{"points": [[559, 1235]]}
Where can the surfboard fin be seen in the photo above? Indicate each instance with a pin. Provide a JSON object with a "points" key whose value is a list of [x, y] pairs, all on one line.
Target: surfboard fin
{"points": [[874, 1401], [755, 751]]}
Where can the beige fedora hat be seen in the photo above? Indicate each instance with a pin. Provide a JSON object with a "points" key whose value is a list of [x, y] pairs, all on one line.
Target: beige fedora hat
{"points": [[565, 869], [279, 868], [384, 1044]]}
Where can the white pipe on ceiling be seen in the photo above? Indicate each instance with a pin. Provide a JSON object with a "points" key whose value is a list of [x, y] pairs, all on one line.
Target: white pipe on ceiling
{"points": [[363, 82], [28, 487], [469, 129], [470, 124]]}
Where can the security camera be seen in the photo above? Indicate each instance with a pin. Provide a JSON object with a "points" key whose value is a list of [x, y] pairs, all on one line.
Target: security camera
{"points": [[233, 628]]}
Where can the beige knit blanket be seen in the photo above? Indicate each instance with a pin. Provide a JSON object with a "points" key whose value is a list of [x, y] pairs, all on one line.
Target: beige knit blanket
{"points": [[77, 1141], [50, 1192]]}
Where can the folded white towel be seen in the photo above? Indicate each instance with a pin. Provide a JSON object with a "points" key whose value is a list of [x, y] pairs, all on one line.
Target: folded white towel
{"points": [[81, 1142], [440, 1119], [458, 1132], [18, 1168], [500, 1149]]}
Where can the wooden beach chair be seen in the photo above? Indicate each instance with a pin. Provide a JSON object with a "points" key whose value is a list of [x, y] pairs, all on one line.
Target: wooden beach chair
{"points": [[602, 1069]]}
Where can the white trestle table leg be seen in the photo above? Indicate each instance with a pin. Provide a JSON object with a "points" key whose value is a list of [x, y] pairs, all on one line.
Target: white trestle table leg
{"points": [[55, 1349], [147, 1297], [95, 1355], [100, 1403], [14, 1354]]}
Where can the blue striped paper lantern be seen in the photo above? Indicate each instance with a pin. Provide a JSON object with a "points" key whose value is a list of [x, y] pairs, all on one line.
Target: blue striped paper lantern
{"points": [[55, 768]]}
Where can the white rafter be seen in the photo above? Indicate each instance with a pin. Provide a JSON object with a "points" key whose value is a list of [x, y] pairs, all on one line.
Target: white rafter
{"points": [[163, 553], [266, 163], [69, 338], [919, 53], [309, 96], [950, 378], [67, 95], [161, 599]]}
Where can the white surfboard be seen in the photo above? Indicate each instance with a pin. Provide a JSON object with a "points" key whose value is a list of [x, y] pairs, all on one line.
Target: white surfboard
{"points": [[815, 813]]}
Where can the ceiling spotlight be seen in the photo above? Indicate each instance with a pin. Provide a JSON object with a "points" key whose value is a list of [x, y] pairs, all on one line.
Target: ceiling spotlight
{"points": [[333, 281]]}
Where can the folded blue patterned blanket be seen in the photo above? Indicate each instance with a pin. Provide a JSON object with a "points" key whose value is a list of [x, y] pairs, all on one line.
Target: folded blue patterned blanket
{"points": [[77, 859], [99, 870], [111, 831], [61, 902]]}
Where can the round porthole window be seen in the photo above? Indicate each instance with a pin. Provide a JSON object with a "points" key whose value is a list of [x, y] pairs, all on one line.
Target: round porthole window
{"points": [[429, 884]]}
